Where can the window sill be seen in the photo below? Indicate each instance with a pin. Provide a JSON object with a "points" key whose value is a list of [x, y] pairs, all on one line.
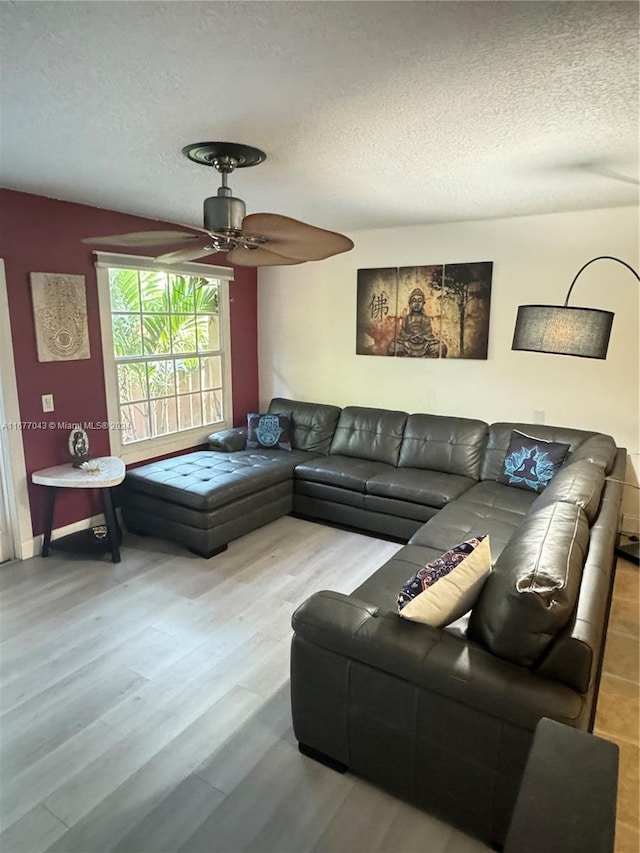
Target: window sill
{"points": [[142, 451]]}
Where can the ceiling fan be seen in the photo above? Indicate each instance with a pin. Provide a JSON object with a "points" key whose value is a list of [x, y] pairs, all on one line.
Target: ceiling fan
{"points": [[257, 240]]}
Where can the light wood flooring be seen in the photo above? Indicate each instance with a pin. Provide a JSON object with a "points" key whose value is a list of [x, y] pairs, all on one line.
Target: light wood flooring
{"points": [[145, 705], [618, 716]]}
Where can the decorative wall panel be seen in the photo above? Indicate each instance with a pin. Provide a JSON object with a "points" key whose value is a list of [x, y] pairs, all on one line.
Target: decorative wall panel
{"points": [[60, 313], [436, 311]]}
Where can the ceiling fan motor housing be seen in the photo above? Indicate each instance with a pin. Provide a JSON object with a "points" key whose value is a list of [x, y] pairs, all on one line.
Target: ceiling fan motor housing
{"points": [[224, 213]]}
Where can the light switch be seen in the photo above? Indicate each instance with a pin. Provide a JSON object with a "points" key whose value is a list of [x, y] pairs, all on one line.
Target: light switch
{"points": [[47, 402]]}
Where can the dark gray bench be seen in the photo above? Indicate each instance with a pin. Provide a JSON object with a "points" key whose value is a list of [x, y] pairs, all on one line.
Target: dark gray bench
{"points": [[567, 800]]}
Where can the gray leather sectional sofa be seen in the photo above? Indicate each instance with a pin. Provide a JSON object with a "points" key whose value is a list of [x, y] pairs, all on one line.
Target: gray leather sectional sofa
{"points": [[441, 717]]}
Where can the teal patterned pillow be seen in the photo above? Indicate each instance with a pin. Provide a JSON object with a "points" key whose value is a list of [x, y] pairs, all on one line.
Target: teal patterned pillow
{"points": [[269, 431], [531, 462]]}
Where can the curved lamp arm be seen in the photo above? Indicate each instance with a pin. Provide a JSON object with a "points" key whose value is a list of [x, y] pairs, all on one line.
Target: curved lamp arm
{"points": [[592, 261]]}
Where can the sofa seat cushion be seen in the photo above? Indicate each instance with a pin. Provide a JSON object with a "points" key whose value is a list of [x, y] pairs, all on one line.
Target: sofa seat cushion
{"points": [[381, 588], [404, 509], [345, 472], [464, 520], [532, 591], [332, 494], [433, 488], [205, 480], [500, 496]]}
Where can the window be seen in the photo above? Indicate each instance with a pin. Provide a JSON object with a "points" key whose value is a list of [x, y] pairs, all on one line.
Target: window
{"points": [[166, 353]]}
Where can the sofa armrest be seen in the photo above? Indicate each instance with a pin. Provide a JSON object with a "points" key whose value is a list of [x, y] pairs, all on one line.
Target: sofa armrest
{"points": [[353, 628], [228, 440], [432, 659]]}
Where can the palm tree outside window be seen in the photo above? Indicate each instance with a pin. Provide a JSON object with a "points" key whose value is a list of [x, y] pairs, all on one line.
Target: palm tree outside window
{"points": [[168, 353]]}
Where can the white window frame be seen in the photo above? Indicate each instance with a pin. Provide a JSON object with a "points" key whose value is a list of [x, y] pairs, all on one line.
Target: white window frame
{"points": [[149, 448]]}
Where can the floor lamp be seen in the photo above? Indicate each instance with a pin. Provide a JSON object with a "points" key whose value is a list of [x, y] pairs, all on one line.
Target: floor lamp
{"points": [[564, 330]]}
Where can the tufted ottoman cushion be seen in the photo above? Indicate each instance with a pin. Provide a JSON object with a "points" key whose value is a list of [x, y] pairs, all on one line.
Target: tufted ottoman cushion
{"points": [[206, 499], [204, 480]]}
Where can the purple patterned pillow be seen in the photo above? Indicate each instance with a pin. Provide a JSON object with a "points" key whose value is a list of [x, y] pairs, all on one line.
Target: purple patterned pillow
{"points": [[436, 569]]}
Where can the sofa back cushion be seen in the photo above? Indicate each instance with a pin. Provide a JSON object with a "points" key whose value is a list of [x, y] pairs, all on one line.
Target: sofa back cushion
{"points": [[313, 424], [374, 434], [596, 447], [533, 589], [579, 483], [437, 443]]}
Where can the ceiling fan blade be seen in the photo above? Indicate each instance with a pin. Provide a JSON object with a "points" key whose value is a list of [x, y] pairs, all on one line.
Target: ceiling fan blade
{"points": [[294, 239], [260, 257], [616, 176], [598, 167], [143, 238], [185, 254]]}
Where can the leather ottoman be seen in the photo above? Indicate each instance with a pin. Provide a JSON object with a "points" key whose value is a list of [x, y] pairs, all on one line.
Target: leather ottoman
{"points": [[204, 500]]}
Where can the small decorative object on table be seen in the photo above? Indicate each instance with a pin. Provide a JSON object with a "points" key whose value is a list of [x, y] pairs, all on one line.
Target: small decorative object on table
{"points": [[78, 446], [91, 466]]}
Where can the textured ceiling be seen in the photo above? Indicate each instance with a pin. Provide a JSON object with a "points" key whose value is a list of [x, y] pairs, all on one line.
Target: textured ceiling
{"points": [[372, 114]]}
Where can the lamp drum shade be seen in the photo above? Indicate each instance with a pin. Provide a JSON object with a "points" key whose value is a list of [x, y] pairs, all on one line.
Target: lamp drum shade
{"points": [[562, 330]]}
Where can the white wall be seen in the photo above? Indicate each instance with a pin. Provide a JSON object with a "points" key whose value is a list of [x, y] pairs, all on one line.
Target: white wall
{"points": [[307, 316]]}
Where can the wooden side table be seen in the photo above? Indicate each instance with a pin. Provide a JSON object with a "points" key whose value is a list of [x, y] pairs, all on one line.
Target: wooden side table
{"points": [[111, 473]]}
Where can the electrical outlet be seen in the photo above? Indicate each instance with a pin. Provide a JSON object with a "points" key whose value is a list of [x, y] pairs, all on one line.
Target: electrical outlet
{"points": [[47, 403], [539, 416]]}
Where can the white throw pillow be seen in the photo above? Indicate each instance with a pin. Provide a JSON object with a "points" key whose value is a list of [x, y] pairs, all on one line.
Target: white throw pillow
{"points": [[454, 593]]}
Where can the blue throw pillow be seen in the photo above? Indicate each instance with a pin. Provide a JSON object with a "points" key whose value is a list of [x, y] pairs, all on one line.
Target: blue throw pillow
{"points": [[269, 431], [530, 463]]}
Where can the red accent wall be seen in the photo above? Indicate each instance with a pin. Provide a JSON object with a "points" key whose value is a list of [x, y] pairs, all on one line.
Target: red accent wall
{"points": [[40, 234]]}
